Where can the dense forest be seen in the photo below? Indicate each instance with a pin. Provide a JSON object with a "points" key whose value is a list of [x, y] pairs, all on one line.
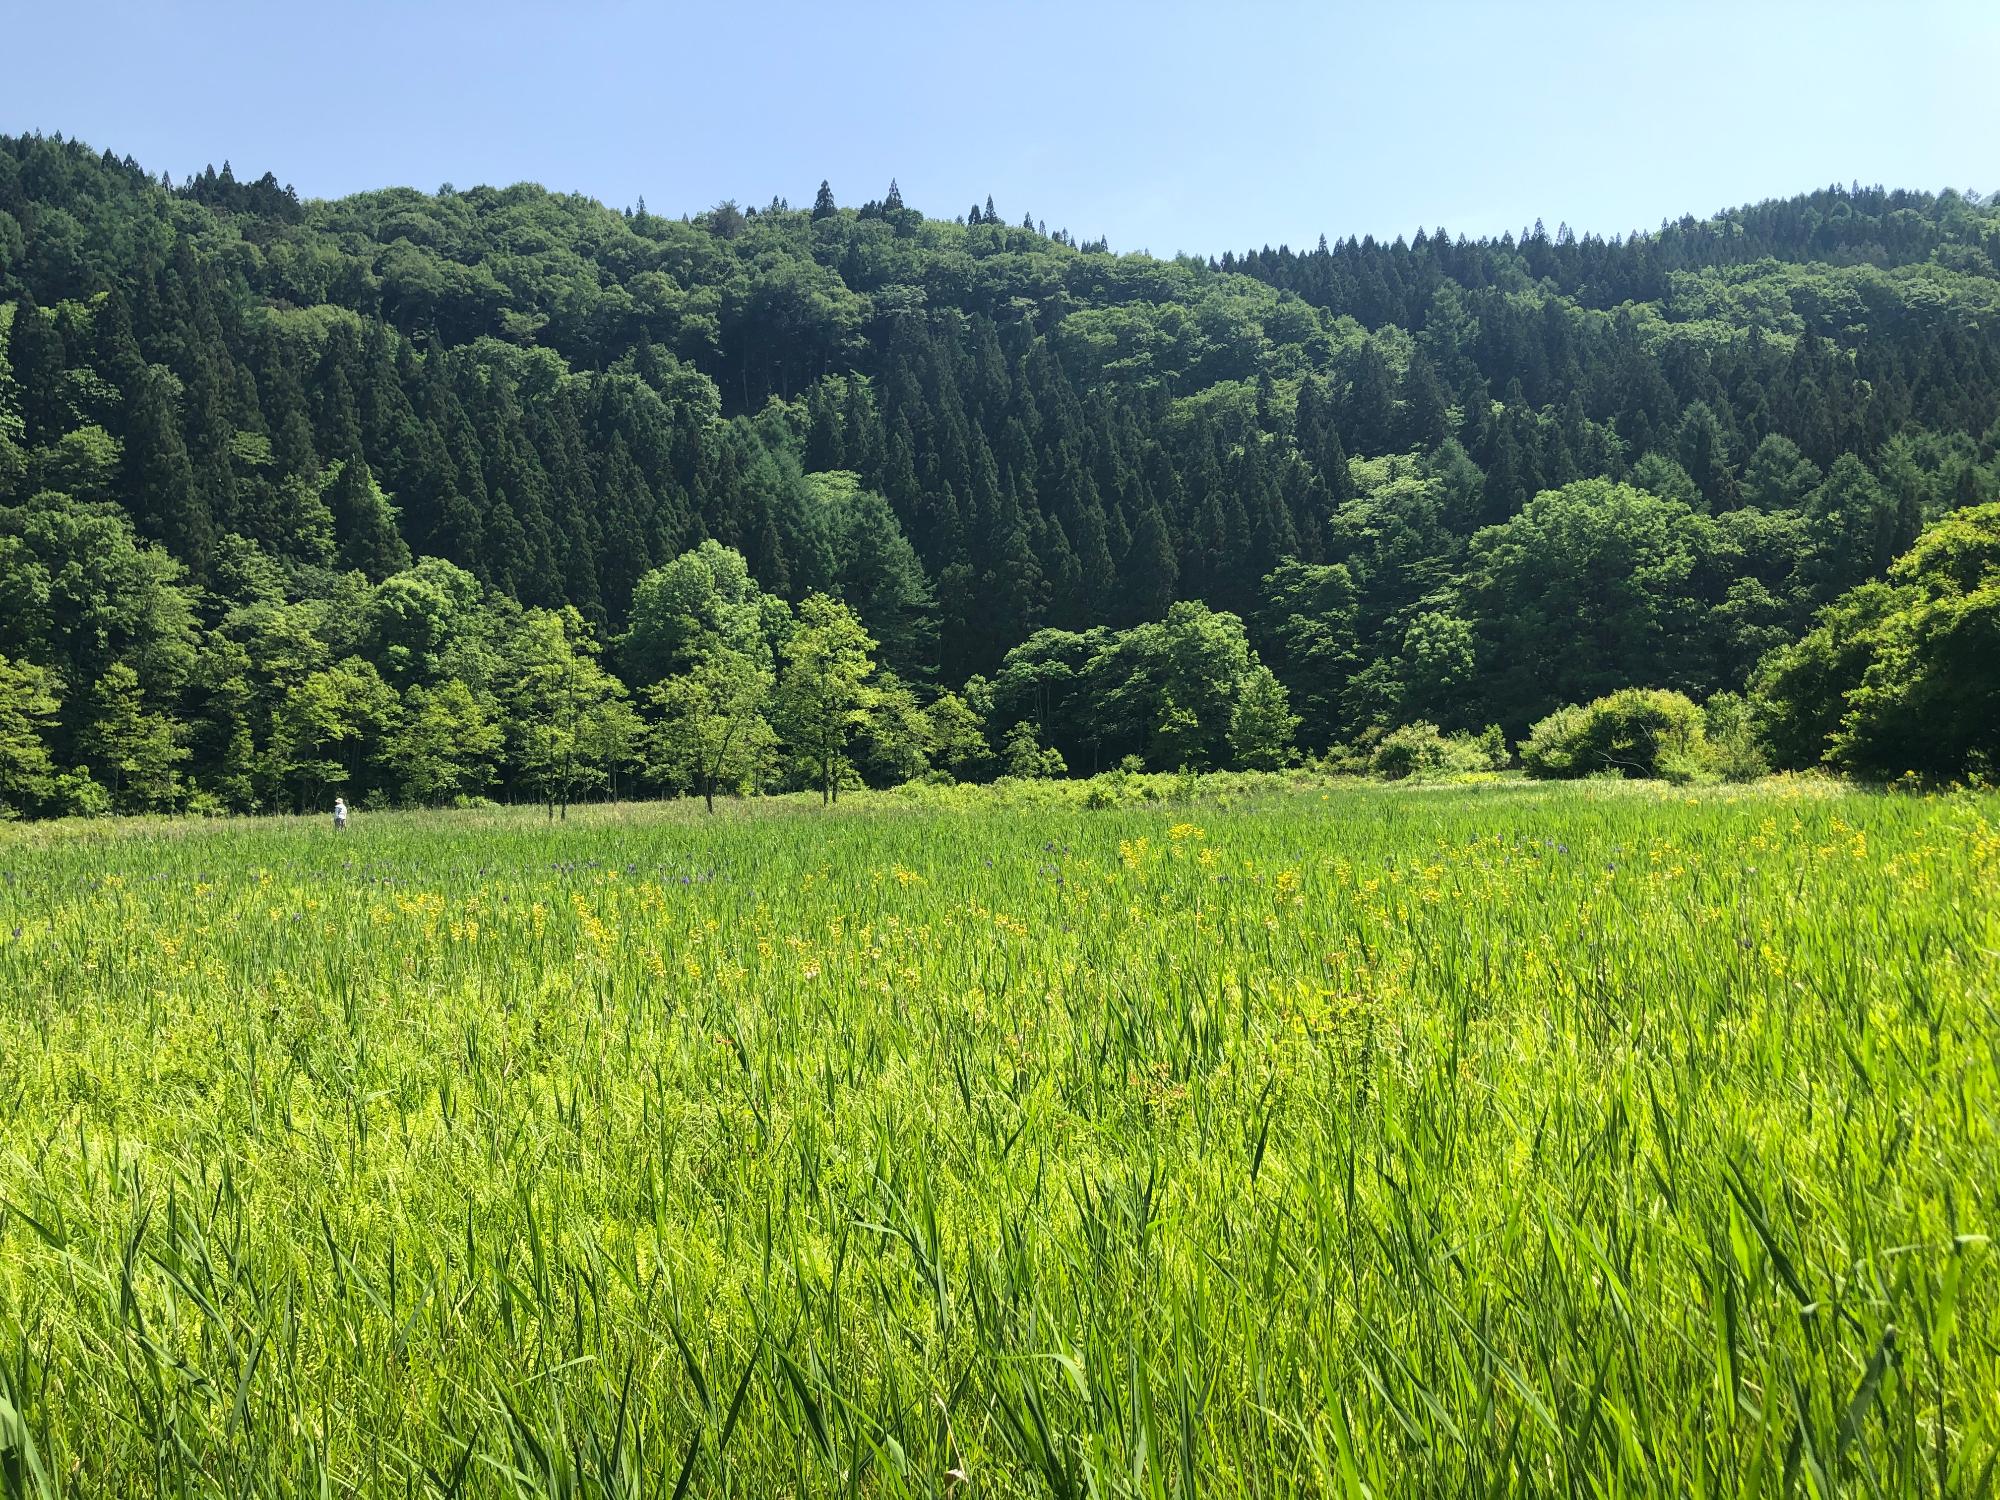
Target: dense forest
{"points": [[501, 492]]}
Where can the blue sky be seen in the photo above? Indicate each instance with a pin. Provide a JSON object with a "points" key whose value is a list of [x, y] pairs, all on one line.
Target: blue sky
{"points": [[1163, 126]]}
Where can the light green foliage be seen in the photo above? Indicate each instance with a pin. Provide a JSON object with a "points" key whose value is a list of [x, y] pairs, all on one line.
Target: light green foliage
{"points": [[689, 606], [79, 592], [1590, 587], [1439, 658], [1902, 676], [328, 727], [1419, 750], [1733, 751], [428, 623], [957, 735], [1779, 476], [82, 464], [1307, 629], [703, 620], [1384, 1141], [133, 748], [1043, 676], [569, 727], [446, 746], [1261, 724], [1205, 661], [711, 732], [824, 692], [1167, 689], [1025, 757], [878, 573], [1393, 570], [1440, 480], [28, 705], [895, 743], [13, 465], [1642, 732]]}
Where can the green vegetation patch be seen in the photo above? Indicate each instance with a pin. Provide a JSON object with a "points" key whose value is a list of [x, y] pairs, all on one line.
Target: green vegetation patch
{"points": [[1268, 1139]]}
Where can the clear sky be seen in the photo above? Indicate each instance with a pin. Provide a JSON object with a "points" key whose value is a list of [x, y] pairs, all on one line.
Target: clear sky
{"points": [[1162, 125]]}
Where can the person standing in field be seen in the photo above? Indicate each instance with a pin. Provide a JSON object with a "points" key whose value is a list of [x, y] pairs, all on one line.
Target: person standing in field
{"points": [[339, 814]]}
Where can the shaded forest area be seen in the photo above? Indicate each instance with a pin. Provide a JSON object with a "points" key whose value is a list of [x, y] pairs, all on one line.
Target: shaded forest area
{"points": [[435, 496]]}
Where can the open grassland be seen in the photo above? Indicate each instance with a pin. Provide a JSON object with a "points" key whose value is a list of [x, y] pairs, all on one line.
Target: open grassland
{"points": [[1595, 1140]]}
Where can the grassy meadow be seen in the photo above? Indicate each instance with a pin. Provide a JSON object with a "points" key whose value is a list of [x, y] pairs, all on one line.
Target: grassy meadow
{"points": [[1271, 1141]]}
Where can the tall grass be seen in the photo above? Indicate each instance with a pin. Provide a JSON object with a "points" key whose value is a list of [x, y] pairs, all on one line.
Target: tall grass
{"points": [[1500, 1140]]}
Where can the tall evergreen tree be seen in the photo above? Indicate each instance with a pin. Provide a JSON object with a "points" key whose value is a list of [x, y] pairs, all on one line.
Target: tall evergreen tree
{"points": [[167, 506]]}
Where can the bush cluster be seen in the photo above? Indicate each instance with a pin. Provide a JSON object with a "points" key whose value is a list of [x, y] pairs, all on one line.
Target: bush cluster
{"points": [[1645, 733], [1420, 750]]}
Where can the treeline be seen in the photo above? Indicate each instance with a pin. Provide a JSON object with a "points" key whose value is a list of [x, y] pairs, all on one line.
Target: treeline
{"points": [[1448, 482], [431, 688]]}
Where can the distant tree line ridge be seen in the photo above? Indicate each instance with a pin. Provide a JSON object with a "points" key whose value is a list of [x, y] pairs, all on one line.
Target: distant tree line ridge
{"points": [[371, 493]]}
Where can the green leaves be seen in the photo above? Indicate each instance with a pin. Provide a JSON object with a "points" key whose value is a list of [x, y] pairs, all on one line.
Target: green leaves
{"points": [[1898, 678], [824, 691]]}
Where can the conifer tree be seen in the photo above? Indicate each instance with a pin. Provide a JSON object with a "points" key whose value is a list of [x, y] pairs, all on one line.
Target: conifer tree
{"points": [[37, 360], [364, 522], [1150, 571], [166, 504]]}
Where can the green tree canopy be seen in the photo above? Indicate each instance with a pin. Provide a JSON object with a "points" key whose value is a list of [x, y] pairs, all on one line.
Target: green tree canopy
{"points": [[824, 692], [1902, 676], [1589, 588]]}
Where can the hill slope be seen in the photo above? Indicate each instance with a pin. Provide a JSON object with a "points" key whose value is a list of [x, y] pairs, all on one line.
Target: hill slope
{"points": [[1340, 446]]}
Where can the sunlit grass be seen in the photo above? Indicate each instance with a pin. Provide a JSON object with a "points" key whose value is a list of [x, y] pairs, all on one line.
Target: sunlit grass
{"points": [[1592, 1140]]}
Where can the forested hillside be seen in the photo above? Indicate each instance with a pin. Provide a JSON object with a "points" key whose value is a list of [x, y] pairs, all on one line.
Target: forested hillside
{"points": [[427, 496]]}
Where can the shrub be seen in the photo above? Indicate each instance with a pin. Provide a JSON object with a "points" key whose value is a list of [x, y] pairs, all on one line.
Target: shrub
{"points": [[1550, 752], [1025, 757], [1634, 732], [79, 794], [1343, 759], [1733, 751], [1419, 750]]}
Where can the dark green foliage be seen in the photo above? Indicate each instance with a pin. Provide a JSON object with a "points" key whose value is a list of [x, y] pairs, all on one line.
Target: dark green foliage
{"points": [[364, 523]]}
